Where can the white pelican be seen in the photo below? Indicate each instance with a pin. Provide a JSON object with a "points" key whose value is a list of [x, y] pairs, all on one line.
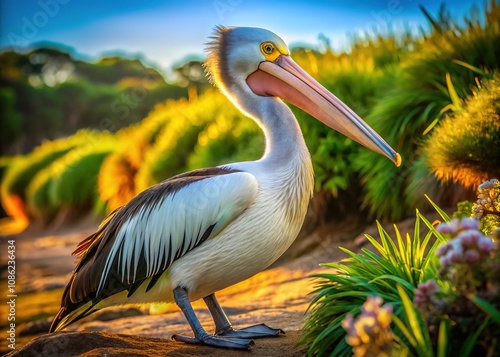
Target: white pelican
{"points": [[202, 231]]}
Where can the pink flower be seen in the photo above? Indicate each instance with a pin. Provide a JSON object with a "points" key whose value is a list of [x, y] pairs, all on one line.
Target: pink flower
{"points": [[486, 245], [472, 256], [469, 236], [469, 223], [425, 296], [448, 227], [467, 243]]}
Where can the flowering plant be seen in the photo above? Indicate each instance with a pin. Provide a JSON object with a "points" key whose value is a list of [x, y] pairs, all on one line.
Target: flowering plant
{"points": [[442, 297]]}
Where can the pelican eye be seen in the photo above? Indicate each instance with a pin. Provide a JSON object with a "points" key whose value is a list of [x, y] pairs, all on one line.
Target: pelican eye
{"points": [[268, 48], [269, 51]]}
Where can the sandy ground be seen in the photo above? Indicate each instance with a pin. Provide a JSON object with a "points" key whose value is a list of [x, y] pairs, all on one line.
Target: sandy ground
{"points": [[278, 297]]}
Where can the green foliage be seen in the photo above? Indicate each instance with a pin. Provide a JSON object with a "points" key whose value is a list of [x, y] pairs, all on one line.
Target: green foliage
{"points": [[22, 169], [405, 263], [70, 179], [38, 199], [412, 326], [173, 141], [209, 133], [332, 153], [116, 180], [5, 162], [463, 148], [230, 138], [414, 98], [441, 307], [46, 94], [77, 185], [464, 210], [11, 123]]}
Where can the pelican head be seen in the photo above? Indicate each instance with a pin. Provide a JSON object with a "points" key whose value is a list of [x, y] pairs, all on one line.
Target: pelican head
{"points": [[253, 66]]}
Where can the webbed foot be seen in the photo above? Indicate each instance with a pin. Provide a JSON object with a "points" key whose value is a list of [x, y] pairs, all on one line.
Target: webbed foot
{"points": [[218, 341], [256, 331]]}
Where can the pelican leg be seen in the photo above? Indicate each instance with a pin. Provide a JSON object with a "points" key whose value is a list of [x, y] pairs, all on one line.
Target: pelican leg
{"points": [[200, 335], [224, 328]]}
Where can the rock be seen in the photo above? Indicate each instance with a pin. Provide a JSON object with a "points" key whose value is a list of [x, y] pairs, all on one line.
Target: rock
{"points": [[92, 343]]}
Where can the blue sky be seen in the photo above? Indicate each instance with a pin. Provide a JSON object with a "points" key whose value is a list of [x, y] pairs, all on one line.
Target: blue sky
{"points": [[165, 32]]}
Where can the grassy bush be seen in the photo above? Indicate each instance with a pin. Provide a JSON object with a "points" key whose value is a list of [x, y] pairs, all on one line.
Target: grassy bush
{"points": [[5, 162], [23, 169], [116, 183], [168, 153], [117, 176], [76, 186], [405, 263], [441, 296], [229, 138], [465, 146], [442, 300], [195, 134], [356, 81], [68, 180], [416, 96], [39, 203]]}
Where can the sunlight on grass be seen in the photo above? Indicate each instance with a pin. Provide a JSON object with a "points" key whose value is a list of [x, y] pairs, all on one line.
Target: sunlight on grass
{"points": [[34, 306], [9, 226]]}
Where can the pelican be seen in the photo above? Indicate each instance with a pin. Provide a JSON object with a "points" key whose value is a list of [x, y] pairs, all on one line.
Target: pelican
{"points": [[199, 232]]}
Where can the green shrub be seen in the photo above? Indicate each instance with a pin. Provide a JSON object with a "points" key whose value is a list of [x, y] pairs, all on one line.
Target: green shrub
{"points": [[116, 181], [77, 184], [229, 138], [23, 169], [465, 146], [414, 98], [71, 180], [39, 203], [356, 81], [118, 173], [442, 296], [5, 162], [206, 132], [11, 126]]}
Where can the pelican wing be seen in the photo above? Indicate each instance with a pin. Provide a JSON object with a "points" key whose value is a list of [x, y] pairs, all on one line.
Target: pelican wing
{"points": [[142, 239]]}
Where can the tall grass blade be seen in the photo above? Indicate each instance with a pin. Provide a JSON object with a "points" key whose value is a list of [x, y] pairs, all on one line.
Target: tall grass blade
{"points": [[455, 99], [473, 68], [470, 342], [443, 338], [423, 343], [484, 305]]}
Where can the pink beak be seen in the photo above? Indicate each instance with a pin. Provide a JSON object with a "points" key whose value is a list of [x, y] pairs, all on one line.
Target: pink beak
{"points": [[283, 78]]}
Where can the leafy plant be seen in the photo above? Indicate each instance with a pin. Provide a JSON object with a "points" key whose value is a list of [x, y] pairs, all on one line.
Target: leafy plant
{"points": [[76, 186], [405, 262], [444, 299], [418, 94], [23, 169], [70, 179]]}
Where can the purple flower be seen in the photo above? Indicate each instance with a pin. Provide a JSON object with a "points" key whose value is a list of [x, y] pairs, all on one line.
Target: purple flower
{"points": [[469, 223], [425, 296], [472, 256], [448, 227], [467, 243]]}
